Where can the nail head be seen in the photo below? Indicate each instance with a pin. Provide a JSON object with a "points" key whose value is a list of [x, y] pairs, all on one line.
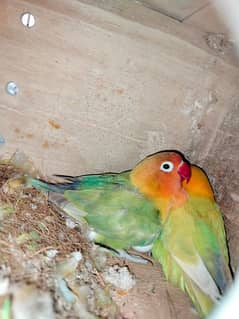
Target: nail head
{"points": [[12, 88], [28, 20]]}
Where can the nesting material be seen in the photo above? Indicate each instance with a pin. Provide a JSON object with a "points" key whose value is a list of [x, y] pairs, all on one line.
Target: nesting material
{"points": [[48, 269], [28, 300]]}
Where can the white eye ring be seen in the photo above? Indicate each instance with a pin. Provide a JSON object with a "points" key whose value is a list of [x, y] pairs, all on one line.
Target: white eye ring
{"points": [[167, 167]]}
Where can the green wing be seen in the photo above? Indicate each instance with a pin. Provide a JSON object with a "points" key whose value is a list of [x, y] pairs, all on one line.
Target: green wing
{"points": [[119, 215]]}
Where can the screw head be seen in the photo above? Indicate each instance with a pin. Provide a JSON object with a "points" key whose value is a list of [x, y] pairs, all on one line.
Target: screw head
{"points": [[12, 88], [28, 20]]}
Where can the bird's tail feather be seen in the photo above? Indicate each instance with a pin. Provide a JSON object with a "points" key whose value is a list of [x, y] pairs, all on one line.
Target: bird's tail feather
{"points": [[45, 186], [203, 303]]}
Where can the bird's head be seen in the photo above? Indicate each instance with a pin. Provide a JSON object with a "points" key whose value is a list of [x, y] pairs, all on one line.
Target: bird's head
{"points": [[161, 174]]}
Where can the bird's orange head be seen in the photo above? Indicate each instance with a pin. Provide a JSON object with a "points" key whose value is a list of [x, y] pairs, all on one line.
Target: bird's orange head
{"points": [[161, 174]]}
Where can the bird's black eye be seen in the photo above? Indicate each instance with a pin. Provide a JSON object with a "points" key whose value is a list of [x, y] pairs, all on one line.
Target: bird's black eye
{"points": [[167, 167]]}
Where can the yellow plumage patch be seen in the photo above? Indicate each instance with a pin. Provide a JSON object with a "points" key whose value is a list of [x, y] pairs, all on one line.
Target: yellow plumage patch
{"points": [[199, 184]]}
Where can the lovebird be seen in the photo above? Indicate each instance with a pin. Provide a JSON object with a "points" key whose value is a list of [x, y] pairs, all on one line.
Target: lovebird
{"points": [[118, 215], [191, 246]]}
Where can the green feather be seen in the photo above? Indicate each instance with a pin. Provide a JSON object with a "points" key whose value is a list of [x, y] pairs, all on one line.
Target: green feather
{"points": [[193, 253], [121, 217]]}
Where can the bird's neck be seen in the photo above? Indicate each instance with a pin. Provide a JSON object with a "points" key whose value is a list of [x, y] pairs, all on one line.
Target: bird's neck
{"points": [[166, 194], [165, 204]]}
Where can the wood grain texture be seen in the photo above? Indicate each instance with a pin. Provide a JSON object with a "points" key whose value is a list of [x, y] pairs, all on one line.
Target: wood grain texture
{"points": [[177, 9], [208, 19], [98, 92]]}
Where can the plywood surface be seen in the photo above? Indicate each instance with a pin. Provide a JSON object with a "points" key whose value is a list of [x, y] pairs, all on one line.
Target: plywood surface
{"points": [[178, 9], [208, 19], [193, 30], [98, 91]]}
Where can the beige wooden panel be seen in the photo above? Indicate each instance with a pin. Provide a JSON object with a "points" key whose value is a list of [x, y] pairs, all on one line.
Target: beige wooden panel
{"points": [[99, 92], [178, 9], [193, 31], [208, 20]]}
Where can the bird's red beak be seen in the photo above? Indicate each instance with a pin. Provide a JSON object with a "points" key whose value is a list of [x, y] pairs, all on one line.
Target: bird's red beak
{"points": [[184, 171]]}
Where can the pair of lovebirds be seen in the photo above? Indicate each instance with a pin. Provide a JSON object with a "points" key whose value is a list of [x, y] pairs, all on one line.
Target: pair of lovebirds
{"points": [[164, 205]]}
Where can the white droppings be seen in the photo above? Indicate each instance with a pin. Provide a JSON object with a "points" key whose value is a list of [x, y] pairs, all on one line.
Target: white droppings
{"points": [[120, 277], [70, 223], [77, 255], [33, 206], [4, 286], [197, 107], [91, 235], [51, 253]]}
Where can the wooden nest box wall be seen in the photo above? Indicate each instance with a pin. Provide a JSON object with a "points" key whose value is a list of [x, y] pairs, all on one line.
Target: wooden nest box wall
{"points": [[92, 86]]}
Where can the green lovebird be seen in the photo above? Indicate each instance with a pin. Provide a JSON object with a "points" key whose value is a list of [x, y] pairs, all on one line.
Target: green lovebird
{"points": [[192, 245], [118, 215]]}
